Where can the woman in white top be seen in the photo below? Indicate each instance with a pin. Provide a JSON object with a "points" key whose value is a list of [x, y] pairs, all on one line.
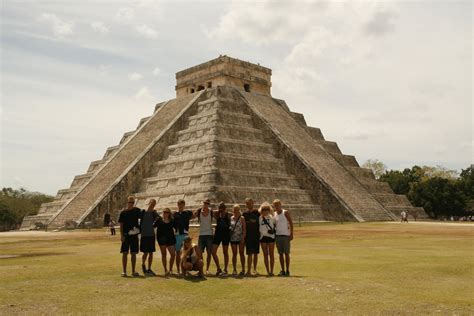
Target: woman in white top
{"points": [[267, 236]]}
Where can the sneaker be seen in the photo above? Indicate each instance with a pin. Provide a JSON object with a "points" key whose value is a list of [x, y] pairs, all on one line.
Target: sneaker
{"points": [[287, 273], [234, 273], [201, 276], [135, 274], [241, 274], [255, 273], [144, 269], [151, 273], [270, 274], [219, 272], [282, 273], [124, 274], [248, 274], [224, 273]]}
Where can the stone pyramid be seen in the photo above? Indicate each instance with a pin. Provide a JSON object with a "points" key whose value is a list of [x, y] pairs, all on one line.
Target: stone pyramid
{"points": [[225, 138]]}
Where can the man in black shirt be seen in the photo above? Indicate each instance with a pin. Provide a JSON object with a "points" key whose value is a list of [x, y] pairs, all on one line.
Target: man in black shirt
{"points": [[181, 225], [252, 238], [129, 230]]}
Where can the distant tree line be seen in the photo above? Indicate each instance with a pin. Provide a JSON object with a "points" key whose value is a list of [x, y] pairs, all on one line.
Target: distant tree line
{"points": [[440, 191], [17, 203]]}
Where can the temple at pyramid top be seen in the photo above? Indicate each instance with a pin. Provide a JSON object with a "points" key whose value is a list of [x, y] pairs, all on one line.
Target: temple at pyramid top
{"points": [[224, 71]]}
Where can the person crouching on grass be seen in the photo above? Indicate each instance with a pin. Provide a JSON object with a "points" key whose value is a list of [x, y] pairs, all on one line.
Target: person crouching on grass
{"points": [[284, 236], [129, 231], [237, 239], [166, 239], [191, 258], [147, 240], [267, 236]]}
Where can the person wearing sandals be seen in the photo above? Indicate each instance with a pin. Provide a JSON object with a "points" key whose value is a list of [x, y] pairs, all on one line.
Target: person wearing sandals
{"points": [[237, 239], [252, 236], [147, 239], [191, 259], [221, 235], [181, 220], [267, 236], [166, 239], [204, 215], [283, 237], [129, 231]]}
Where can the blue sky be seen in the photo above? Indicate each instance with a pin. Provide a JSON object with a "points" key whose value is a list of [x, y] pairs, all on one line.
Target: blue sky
{"points": [[386, 80]]}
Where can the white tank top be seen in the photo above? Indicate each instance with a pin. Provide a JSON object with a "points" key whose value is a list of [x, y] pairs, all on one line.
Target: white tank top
{"points": [[205, 224], [282, 225]]}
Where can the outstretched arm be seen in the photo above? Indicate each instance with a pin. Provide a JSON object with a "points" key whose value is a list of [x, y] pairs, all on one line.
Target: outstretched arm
{"points": [[290, 220]]}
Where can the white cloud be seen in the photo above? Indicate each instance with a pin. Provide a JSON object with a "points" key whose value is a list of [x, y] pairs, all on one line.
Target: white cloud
{"points": [[60, 27], [100, 27], [145, 94], [135, 76], [156, 71], [125, 14], [146, 31]]}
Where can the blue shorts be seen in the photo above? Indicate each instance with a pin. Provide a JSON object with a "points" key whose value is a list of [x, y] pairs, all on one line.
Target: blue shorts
{"points": [[179, 241]]}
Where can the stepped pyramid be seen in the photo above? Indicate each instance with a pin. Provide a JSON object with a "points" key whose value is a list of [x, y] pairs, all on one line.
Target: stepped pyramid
{"points": [[225, 138]]}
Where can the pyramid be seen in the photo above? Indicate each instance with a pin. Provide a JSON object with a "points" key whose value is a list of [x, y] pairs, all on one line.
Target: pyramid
{"points": [[224, 137]]}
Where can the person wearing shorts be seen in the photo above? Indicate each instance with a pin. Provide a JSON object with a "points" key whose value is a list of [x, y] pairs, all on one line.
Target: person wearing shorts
{"points": [[237, 239], [181, 220], [129, 230], [205, 215], [166, 239], [267, 236], [221, 235], [252, 237], [192, 258], [147, 239], [283, 237]]}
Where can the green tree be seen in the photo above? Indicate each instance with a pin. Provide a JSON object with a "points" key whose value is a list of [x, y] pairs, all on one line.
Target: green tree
{"points": [[378, 167]]}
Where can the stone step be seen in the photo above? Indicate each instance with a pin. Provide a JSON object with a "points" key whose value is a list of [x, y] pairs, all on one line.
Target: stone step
{"points": [[29, 222], [95, 165], [66, 194], [315, 133], [239, 193], [126, 136], [392, 199], [331, 147], [81, 179], [362, 173], [210, 129], [345, 160], [374, 186]]}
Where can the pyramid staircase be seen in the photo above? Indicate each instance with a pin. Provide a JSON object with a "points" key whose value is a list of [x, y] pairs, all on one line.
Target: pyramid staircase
{"points": [[226, 145]]}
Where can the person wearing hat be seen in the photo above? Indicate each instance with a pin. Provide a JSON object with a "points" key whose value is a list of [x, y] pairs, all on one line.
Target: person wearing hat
{"points": [[221, 235], [129, 230], [204, 215], [181, 220]]}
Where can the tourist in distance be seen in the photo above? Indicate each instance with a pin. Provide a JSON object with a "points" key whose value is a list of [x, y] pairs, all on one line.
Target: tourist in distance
{"points": [[181, 220], [237, 239], [147, 239], [404, 217], [166, 239], [221, 235], [267, 236], [252, 236], [204, 216], [191, 259], [129, 231], [283, 236]]}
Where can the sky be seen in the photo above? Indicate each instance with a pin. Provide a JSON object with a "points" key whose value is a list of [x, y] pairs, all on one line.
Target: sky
{"points": [[385, 80]]}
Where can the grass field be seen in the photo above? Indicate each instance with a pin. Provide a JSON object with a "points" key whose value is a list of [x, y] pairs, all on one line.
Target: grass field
{"points": [[359, 268]]}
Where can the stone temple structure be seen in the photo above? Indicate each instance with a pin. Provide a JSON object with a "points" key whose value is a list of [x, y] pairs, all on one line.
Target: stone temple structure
{"points": [[224, 137]]}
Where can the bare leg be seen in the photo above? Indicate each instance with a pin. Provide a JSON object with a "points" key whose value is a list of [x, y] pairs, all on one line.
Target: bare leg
{"points": [[265, 256], [150, 260], [172, 251], [178, 261], [249, 263], [163, 258], [242, 256], [124, 262], [215, 257], [185, 267], [208, 259], [200, 265], [134, 261], [287, 257], [282, 263], [225, 249], [255, 261], [144, 256], [234, 257], [271, 252]]}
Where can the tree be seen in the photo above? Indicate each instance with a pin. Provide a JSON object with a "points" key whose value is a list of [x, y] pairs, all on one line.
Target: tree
{"points": [[378, 167]]}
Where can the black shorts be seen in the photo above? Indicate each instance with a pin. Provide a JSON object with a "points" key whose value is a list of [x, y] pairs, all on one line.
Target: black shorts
{"points": [[221, 238], [130, 244], [166, 240], [147, 244], [235, 242], [252, 246], [267, 240]]}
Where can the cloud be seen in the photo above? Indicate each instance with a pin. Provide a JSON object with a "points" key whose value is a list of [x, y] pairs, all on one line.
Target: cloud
{"points": [[156, 71], [381, 23], [144, 94], [135, 76], [100, 27], [60, 27], [146, 31], [125, 14]]}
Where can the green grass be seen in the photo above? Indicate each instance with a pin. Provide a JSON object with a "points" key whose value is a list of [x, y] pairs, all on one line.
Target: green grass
{"points": [[370, 268]]}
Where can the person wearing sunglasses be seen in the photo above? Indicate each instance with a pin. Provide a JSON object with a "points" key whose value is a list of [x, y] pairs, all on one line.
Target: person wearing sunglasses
{"points": [[129, 230], [267, 236]]}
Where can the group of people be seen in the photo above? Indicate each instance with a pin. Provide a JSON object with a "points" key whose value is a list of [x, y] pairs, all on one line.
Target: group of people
{"points": [[246, 232]]}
